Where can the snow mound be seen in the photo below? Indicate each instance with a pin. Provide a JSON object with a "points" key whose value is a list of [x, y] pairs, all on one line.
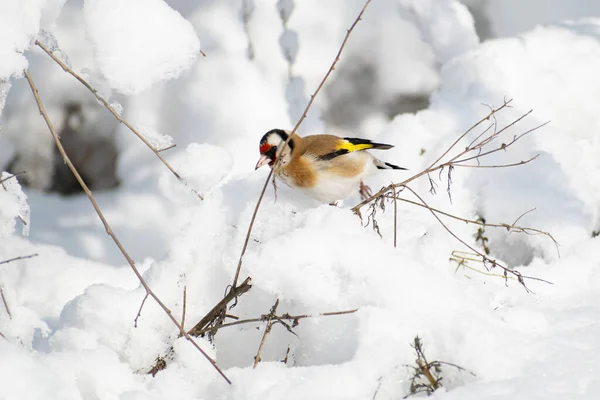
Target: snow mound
{"points": [[139, 42]]}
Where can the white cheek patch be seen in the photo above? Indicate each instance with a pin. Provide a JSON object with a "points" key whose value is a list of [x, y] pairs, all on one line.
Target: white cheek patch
{"points": [[274, 140]]}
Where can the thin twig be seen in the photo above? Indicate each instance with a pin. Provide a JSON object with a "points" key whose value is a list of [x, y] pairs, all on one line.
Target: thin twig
{"points": [[510, 228], [262, 194], [221, 307], [516, 164], [210, 323], [267, 330], [114, 112], [293, 318], [107, 227], [18, 258], [139, 313], [10, 177], [167, 148], [486, 118], [457, 161], [5, 303], [304, 114], [183, 312], [520, 277], [395, 216]]}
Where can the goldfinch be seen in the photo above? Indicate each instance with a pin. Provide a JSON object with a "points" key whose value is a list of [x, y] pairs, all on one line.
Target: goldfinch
{"points": [[325, 167]]}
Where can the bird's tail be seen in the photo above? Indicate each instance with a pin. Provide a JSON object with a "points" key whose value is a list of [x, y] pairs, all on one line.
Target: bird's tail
{"points": [[385, 165]]}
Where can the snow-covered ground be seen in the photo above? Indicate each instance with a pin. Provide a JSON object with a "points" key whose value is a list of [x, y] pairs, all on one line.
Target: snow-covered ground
{"points": [[67, 324]]}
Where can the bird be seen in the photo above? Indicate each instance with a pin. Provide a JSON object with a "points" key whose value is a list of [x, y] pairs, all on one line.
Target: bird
{"points": [[327, 168]]}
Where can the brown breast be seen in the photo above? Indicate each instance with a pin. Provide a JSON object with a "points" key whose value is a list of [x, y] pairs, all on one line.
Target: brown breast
{"points": [[300, 173]]}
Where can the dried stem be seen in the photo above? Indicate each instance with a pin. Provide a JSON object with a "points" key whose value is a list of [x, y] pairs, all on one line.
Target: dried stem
{"points": [[494, 263], [294, 318], [5, 303], [139, 313], [475, 147], [509, 227], [267, 331], [210, 323], [107, 227], [461, 261], [183, 312], [18, 258], [304, 114], [10, 177], [395, 215], [110, 108]]}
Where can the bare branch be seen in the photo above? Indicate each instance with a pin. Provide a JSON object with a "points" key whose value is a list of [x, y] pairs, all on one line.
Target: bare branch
{"points": [[458, 160], [139, 313], [18, 258], [395, 215], [183, 312], [482, 120], [496, 166], [5, 303], [167, 148], [207, 323], [294, 318], [107, 227], [267, 331], [511, 228], [10, 177], [520, 277], [121, 120], [304, 114]]}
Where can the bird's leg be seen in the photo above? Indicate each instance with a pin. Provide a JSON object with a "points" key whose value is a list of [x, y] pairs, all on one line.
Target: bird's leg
{"points": [[365, 191]]}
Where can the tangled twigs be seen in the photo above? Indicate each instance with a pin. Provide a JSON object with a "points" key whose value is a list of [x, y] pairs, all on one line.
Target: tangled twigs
{"points": [[109, 230], [470, 157], [427, 376], [213, 320], [488, 262], [270, 318], [509, 227], [278, 157], [210, 323], [295, 319], [121, 120], [473, 152]]}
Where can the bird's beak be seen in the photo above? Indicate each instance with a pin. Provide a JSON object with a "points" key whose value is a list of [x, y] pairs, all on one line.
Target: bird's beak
{"points": [[262, 161]]}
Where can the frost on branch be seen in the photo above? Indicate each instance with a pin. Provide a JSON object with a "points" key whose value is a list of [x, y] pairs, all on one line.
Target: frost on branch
{"points": [[13, 205]]}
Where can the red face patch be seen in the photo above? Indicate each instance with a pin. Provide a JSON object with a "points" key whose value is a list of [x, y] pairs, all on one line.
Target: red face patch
{"points": [[264, 148]]}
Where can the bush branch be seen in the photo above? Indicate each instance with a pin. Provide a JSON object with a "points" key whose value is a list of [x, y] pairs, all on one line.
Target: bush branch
{"points": [[304, 114], [107, 227], [475, 147], [118, 116]]}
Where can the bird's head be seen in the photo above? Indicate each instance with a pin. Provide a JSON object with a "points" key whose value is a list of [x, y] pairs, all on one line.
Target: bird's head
{"points": [[270, 144]]}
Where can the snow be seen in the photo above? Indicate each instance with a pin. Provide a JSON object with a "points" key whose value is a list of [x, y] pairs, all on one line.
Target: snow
{"points": [[130, 44], [13, 205], [70, 332]]}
